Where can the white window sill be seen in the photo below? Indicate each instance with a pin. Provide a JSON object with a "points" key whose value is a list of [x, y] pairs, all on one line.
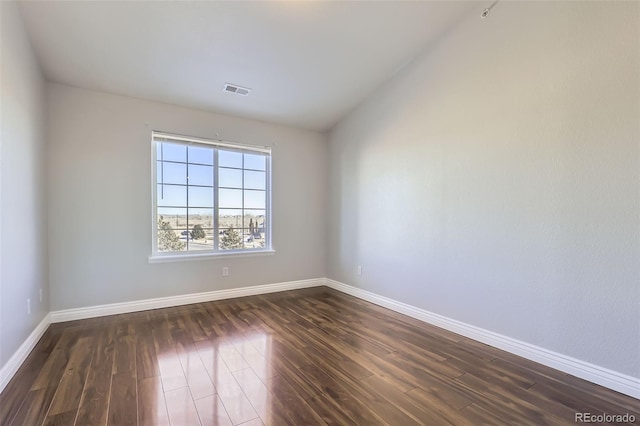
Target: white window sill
{"points": [[163, 258]]}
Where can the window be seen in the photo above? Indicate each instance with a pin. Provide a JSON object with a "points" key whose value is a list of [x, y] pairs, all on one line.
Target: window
{"points": [[210, 197]]}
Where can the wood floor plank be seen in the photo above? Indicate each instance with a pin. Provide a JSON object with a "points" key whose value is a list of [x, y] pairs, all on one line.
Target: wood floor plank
{"points": [[171, 370], [237, 405], [230, 312], [603, 395], [94, 404], [197, 322], [443, 394], [123, 403], [35, 407], [290, 372], [125, 348], [419, 411], [195, 372], [145, 350], [152, 407], [253, 358], [54, 367], [212, 412], [342, 399], [370, 397], [268, 408], [227, 351], [581, 400], [295, 406], [413, 363], [254, 422], [10, 402], [181, 408], [61, 419], [305, 357], [526, 400], [320, 351], [16, 390], [67, 397], [330, 412], [167, 359], [476, 415]]}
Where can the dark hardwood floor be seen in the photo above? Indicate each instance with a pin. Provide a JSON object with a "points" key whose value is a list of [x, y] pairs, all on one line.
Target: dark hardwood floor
{"points": [[306, 357]]}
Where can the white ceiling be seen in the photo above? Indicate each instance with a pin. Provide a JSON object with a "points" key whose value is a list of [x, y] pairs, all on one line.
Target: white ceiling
{"points": [[307, 63]]}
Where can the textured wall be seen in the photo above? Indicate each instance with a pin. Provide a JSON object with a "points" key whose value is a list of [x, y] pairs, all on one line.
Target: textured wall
{"points": [[496, 180], [100, 201], [23, 231]]}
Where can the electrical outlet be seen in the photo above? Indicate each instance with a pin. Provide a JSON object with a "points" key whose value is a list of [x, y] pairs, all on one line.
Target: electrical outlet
{"points": [[359, 270], [225, 271], [40, 295], [28, 306]]}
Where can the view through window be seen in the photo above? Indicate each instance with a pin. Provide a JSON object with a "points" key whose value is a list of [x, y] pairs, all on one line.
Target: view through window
{"points": [[210, 196]]}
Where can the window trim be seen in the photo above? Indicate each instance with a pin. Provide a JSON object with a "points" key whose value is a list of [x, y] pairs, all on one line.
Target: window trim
{"points": [[160, 257]]}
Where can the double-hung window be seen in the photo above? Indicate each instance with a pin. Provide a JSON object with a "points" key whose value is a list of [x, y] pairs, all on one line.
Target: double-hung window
{"points": [[210, 197]]}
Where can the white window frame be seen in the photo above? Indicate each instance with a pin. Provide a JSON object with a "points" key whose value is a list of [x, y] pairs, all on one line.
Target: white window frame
{"points": [[158, 256]]}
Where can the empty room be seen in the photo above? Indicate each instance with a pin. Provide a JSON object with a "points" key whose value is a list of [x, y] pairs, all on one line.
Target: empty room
{"points": [[319, 212]]}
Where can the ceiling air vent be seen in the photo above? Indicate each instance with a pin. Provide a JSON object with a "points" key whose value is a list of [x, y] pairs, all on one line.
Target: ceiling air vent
{"points": [[238, 90]]}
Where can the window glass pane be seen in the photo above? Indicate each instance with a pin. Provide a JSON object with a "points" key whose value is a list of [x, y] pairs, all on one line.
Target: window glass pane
{"points": [[172, 196], [230, 238], [202, 217], [230, 178], [201, 239], [255, 161], [167, 151], [174, 218], [229, 217], [255, 216], [248, 239], [255, 180], [229, 159], [200, 175], [171, 172], [254, 221], [230, 198], [171, 223], [171, 240], [200, 154], [251, 241], [185, 237], [254, 199], [200, 197]]}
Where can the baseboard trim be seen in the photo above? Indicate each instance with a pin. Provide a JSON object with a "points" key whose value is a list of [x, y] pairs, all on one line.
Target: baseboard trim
{"points": [[184, 299], [614, 380], [15, 362]]}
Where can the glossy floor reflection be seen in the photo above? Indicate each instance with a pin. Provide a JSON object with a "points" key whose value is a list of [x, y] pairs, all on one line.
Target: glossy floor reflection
{"points": [[306, 357]]}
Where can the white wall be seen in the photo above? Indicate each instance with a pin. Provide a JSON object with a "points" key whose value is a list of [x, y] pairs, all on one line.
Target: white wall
{"points": [[23, 223], [496, 180], [100, 201]]}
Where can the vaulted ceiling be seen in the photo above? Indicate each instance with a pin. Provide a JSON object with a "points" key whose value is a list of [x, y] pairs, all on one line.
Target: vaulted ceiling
{"points": [[308, 63]]}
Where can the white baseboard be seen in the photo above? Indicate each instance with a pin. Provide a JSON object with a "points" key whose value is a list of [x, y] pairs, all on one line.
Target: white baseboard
{"points": [[619, 382], [185, 299], [11, 367]]}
